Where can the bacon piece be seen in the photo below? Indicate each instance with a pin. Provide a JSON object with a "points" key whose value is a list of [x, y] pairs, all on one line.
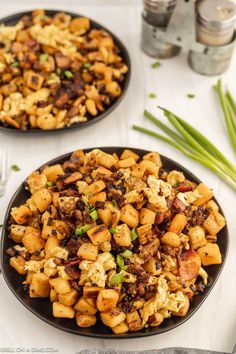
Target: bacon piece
{"points": [[62, 61], [189, 265], [72, 271]]}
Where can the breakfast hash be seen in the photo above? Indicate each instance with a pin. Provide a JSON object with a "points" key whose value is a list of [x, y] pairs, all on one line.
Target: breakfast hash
{"points": [[115, 238]]}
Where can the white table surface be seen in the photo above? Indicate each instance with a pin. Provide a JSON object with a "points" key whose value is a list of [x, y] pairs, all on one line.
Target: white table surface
{"points": [[214, 325]]}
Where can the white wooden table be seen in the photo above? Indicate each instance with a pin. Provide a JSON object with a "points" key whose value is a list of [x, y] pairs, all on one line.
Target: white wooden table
{"points": [[214, 325]]}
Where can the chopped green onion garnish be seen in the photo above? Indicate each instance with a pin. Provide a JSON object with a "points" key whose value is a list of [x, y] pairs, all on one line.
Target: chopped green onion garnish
{"points": [[42, 17], [133, 234], [114, 203], [68, 74], [87, 65], [112, 230], [126, 254], [152, 95], [49, 184], [156, 65], [82, 230], [190, 95], [15, 168], [43, 57], [176, 185], [15, 64], [117, 278], [120, 261], [58, 71], [94, 215]]}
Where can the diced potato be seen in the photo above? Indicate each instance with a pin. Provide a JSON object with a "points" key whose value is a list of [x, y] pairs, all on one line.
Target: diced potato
{"points": [[52, 172], [32, 241], [29, 277], [61, 286], [106, 160], [51, 213], [21, 215], [210, 254], [121, 328], [91, 292], [128, 153], [88, 251], [62, 311], [138, 171], [107, 299], [82, 306], [57, 228], [171, 239], [113, 317], [150, 167], [51, 243], [34, 81], [184, 309], [85, 320], [145, 234], [105, 246], [79, 25], [129, 215], [17, 233], [214, 223], [212, 206], [154, 157], [18, 263], [134, 321], [156, 319], [128, 162], [42, 199], [146, 216], [68, 299], [94, 188], [53, 295], [102, 170], [36, 181], [122, 235], [100, 197], [205, 192], [99, 234], [40, 286], [197, 237], [105, 215], [178, 223], [151, 267]]}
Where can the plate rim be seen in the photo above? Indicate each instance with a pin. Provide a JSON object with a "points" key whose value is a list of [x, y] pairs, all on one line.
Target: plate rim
{"points": [[125, 55], [130, 335]]}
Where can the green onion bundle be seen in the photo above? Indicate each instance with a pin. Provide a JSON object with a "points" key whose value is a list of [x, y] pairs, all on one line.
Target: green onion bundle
{"points": [[193, 144]]}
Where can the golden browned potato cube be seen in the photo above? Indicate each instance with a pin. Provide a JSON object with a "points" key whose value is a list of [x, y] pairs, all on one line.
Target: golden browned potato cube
{"points": [[197, 237], [94, 188], [102, 170], [210, 254], [79, 24], [171, 239], [214, 223], [138, 171], [85, 320], [145, 234], [178, 223], [91, 292], [29, 277], [33, 242], [62, 311], [146, 216], [62, 228], [113, 317], [121, 328], [156, 319], [100, 197], [68, 299], [134, 321], [129, 153], [107, 299], [88, 251], [82, 306], [53, 295], [21, 215], [52, 172], [205, 192], [42, 199], [47, 230], [40, 286], [122, 235], [212, 206], [152, 266], [105, 215], [129, 215], [61, 286], [17, 233], [36, 181], [99, 234], [34, 81], [154, 157], [128, 162], [182, 312], [150, 167], [51, 213], [18, 263]]}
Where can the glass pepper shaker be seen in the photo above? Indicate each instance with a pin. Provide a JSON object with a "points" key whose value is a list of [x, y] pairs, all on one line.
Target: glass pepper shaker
{"points": [[156, 14]]}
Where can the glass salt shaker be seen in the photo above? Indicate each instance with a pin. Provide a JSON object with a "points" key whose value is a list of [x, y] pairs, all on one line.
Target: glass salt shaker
{"points": [[156, 14]]}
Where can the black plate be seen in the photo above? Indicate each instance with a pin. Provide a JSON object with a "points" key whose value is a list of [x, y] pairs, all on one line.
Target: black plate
{"points": [[43, 308], [13, 19]]}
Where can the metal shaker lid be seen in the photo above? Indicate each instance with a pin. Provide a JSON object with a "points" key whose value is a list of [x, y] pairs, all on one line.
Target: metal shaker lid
{"points": [[159, 6], [216, 13]]}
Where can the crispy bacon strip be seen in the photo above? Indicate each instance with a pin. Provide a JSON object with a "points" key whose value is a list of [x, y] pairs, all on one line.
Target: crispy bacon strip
{"points": [[189, 265]]}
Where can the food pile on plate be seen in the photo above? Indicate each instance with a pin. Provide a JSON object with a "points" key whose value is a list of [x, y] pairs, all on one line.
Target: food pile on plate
{"points": [[57, 71], [115, 237]]}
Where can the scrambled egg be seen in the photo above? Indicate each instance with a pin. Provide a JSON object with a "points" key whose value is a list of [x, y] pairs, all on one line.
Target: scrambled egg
{"points": [[34, 266], [157, 192], [203, 274], [62, 273], [175, 177], [59, 252], [8, 33], [163, 300], [50, 268], [81, 185], [19, 248], [133, 197], [92, 273], [189, 197], [106, 260]]}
